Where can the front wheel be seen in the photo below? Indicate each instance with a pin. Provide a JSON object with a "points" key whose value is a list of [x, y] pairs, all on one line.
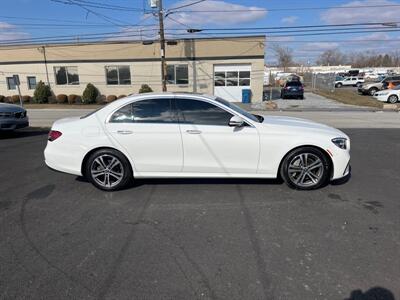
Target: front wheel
{"points": [[338, 85], [393, 99], [305, 168], [372, 91], [108, 170]]}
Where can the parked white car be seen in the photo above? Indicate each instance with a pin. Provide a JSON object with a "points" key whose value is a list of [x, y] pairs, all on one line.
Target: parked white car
{"points": [[349, 81], [391, 96], [191, 135]]}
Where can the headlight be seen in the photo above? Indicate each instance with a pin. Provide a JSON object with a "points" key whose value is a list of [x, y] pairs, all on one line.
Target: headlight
{"points": [[340, 142], [383, 93]]}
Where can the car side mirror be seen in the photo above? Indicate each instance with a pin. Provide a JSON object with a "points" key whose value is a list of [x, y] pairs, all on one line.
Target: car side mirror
{"points": [[236, 121]]}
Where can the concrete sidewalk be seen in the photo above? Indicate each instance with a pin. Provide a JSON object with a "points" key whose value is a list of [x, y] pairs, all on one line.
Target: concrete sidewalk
{"points": [[341, 119]]}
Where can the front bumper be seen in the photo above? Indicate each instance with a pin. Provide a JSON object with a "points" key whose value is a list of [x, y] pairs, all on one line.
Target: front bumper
{"points": [[12, 124], [382, 98]]}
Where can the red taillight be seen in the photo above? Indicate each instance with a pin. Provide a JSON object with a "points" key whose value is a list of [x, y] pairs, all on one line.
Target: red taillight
{"points": [[53, 135]]}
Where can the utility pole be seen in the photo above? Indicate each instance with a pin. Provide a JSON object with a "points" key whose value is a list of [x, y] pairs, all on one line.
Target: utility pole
{"points": [[162, 47]]}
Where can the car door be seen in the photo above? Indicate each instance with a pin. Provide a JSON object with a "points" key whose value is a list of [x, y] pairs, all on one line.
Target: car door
{"points": [[149, 131], [210, 145]]}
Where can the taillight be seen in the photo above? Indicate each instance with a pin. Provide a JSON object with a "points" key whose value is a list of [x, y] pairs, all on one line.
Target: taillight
{"points": [[53, 135]]}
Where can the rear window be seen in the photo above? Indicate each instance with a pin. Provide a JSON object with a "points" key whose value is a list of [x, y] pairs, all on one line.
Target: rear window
{"points": [[293, 83]]}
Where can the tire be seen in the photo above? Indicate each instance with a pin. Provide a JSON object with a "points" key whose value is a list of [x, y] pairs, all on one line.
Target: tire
{"points": [[295, 169], [358, 84], [372, 91], [108, 170], [339, 85], [393, 99]]}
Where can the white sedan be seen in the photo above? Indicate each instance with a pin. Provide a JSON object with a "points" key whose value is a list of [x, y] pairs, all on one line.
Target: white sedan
{"points": [[391, 96], [188, 135]]}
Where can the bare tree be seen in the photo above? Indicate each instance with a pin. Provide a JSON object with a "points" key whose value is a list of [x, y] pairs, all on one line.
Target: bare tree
{"points": [[332, 57], [284, 56]]}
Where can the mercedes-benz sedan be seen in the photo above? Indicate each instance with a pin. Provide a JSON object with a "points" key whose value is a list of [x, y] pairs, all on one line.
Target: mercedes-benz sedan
{"points": [[188, 135]]}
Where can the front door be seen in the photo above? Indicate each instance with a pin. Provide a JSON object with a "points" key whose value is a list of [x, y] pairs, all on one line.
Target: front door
{"points": [[149, 132], [211, 145]]}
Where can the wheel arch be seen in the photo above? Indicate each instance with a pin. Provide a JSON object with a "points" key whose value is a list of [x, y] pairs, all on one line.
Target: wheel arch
{"points": [[87, 155], [329, 158]]}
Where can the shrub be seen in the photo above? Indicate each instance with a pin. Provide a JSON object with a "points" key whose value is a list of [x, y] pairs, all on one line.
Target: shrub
{"points": [[26, 99], [2, 98], [42, 93], [145, 89], [14, 99], [52, 99], [111, 98], [62, 98], [121, 96], [90, 94], [73, 99]]}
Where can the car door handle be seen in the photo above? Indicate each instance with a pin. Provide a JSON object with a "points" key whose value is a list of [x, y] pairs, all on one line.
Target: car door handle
{"points": [[193, 131], [124, 132]]}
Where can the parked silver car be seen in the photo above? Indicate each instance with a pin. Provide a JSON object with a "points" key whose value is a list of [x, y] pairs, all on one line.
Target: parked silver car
{"points": [[12, 117]]}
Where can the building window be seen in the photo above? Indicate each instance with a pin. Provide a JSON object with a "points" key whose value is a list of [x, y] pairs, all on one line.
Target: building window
{"points": [[66, 75], [232, 78], [11, 83], [31, 80], [118, 75], [177, 74]]}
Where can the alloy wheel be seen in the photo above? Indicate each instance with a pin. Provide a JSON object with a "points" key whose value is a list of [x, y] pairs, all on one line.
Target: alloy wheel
{"points": [[107, 170], [393, 99], [306, 170]]}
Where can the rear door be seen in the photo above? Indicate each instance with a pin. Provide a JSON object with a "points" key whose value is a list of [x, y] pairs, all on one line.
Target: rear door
{"points": [[211, 145], [149, 131]]}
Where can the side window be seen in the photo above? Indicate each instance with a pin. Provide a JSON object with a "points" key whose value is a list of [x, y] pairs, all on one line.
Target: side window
{"points": [[202, 113], [145, 111]]}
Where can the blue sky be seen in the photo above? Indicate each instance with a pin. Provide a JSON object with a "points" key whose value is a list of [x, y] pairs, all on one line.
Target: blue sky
{"points": [[50, 18]]}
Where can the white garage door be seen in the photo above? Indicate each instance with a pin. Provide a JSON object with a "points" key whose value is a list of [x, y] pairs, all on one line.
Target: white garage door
{"points": [[230, 80]]}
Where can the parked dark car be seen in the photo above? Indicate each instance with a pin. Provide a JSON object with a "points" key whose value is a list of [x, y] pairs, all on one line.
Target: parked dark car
{"points": [[292, 89], [12, 117]]}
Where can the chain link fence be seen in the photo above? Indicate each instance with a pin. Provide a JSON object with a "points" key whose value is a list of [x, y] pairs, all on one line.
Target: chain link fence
{"points": [[311, 82]]}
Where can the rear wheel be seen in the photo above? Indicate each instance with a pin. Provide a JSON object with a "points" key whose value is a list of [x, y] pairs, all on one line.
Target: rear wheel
{"points": [[393, 99], [108, 169], [305, 168]]}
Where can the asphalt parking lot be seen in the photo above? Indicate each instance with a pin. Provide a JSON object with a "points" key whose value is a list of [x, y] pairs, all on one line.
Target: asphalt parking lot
{"points": [[60, 238]]}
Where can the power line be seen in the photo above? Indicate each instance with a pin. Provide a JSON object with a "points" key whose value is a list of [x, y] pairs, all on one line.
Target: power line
{"points": [[292, 9], [99, 15], [185, 5], [99, 5]]}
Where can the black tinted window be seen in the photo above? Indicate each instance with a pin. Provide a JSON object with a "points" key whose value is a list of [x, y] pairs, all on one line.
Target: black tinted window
{"points": [[202, 113], [145, 111], [293, 83]]}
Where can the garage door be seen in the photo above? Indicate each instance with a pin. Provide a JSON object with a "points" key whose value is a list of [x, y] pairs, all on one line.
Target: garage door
{"points": [[230, 80]]}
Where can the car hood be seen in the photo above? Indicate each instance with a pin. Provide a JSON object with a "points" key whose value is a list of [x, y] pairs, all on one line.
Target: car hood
{"points": [[296, 124], [7, 107]]}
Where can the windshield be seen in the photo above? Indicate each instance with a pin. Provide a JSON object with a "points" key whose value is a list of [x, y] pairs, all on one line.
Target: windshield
{"points": [[238, 110]]}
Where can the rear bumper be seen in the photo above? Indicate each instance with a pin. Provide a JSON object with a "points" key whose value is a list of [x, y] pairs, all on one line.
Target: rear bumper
{"points": [[12, 124], [62, 161], [293, 93]]}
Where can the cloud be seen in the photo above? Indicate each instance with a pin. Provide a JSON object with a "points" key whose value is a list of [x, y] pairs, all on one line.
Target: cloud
{"points": [[218, 14], [10, 32], [366, 14], [320, 46], [289, 20]]}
